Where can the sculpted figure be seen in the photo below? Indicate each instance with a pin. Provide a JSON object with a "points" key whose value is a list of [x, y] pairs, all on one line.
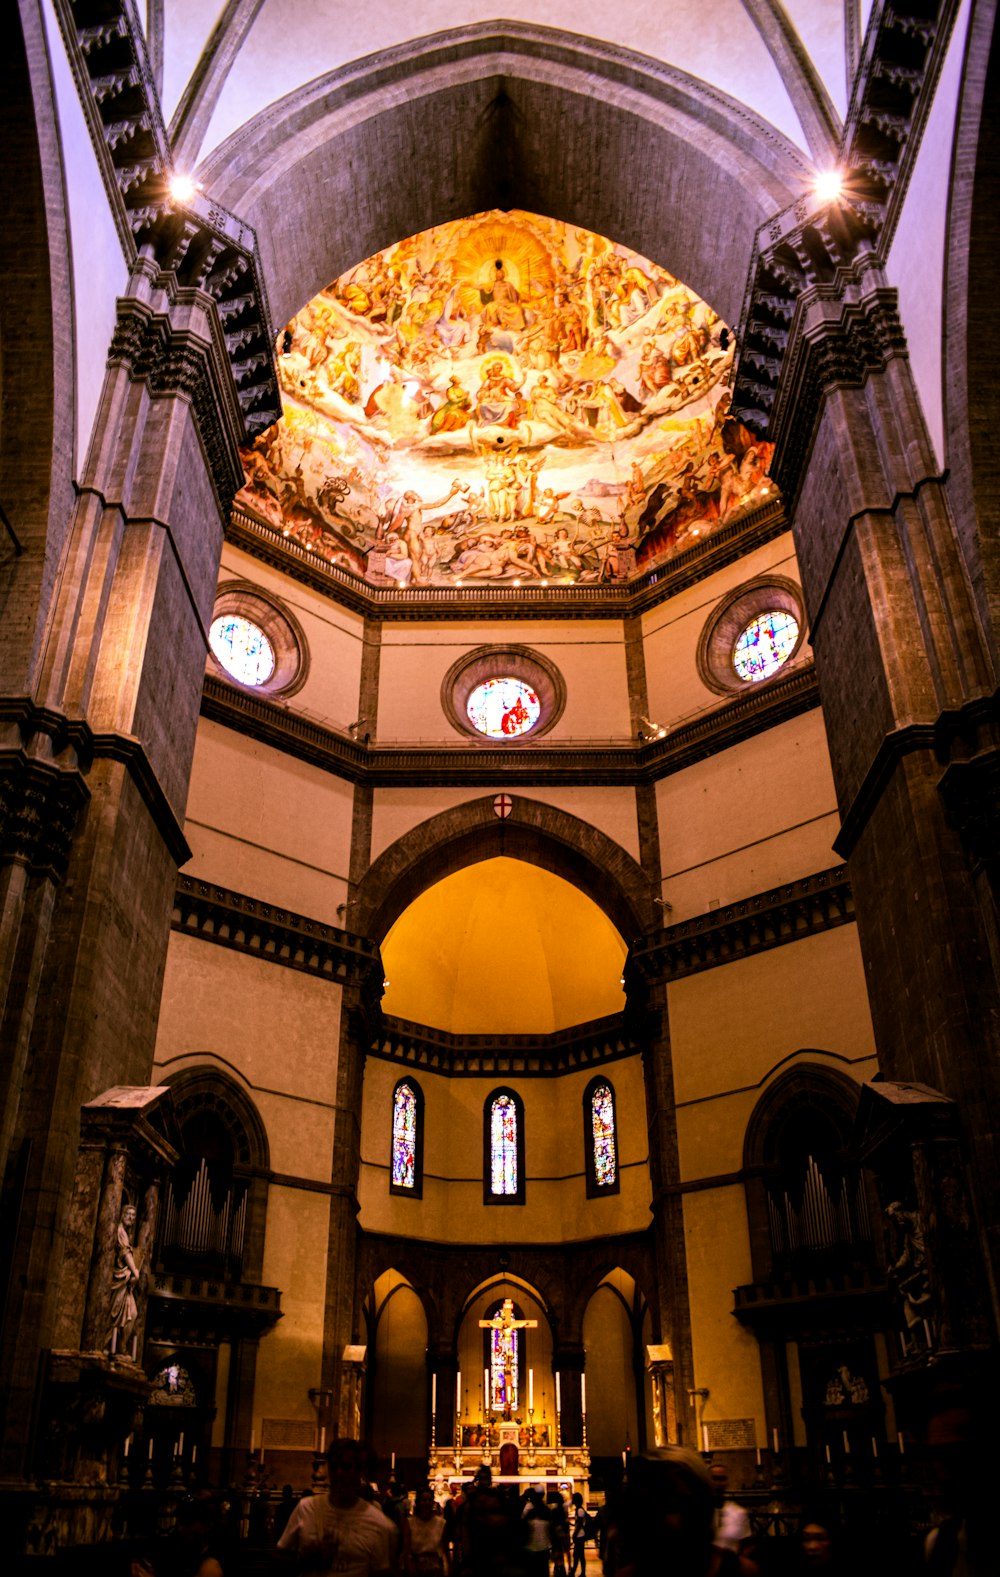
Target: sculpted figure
{"points": [[124, 1278]]}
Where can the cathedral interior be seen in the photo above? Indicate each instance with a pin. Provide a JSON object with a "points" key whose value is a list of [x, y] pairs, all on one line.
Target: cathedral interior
{"points": [[552, 456]]}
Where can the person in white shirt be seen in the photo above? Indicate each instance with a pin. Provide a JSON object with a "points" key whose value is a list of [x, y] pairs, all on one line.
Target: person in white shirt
{"points": [[340, 1531]]}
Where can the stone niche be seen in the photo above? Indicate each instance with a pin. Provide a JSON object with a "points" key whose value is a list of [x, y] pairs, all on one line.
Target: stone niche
{"points": [[95, 1386]]}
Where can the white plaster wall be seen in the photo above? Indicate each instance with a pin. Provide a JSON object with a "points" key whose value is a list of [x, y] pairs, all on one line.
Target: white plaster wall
{"points": [[916, 258], [99, 271]]}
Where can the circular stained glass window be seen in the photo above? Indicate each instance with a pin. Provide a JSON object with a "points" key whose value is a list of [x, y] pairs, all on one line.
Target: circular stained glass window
{"points": [[503, 708], [242, 648], [767, 642]]}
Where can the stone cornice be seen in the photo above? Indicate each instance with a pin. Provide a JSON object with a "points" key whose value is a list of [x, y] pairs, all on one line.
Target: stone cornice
{"points": [[754, 925], [199, 241], [73, 740], [420, 1048], [623, 763], [231, 919], [416, 603]]}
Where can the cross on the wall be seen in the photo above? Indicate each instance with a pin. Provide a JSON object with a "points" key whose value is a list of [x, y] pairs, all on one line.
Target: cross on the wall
{"points": [[502, 806], [505, 1323]]}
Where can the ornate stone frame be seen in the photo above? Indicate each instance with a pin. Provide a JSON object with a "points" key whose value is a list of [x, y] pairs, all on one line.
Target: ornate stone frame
{"points": [[494, 662], [731, 617], [282, 628]]}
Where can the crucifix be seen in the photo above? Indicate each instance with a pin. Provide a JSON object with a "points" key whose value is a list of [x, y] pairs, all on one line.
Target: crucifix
{"points": [[505, 1323]]}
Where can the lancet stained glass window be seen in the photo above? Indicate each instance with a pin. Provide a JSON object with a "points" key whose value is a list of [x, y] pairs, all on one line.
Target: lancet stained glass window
{"points": [[602, 1127], [503, 1146], [242, 648], [404, 1137], [766, 643], [503, 708]]}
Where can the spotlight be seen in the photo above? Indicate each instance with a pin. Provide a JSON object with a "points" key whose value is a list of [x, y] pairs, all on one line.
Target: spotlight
{"points": [[182, 188], [828, 186]]}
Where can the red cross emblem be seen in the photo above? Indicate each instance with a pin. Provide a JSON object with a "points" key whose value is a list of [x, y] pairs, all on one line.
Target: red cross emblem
{"points": [[502, 806]]}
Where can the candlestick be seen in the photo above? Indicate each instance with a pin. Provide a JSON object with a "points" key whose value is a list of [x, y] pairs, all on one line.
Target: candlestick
{"points": [[150, 1451], [392, 1463], [194, 1455], [486, 1393], [827, 1450], [128, 1444]]}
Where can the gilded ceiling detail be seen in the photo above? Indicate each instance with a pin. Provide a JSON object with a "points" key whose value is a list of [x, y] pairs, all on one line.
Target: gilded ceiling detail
{"points": [[503, 399]]}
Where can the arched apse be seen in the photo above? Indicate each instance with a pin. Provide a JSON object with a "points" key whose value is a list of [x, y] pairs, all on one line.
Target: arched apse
{"points": [[612, 1326], [398, 1388], [505, 116], [503, 947], [36, 351], [535, 833]]}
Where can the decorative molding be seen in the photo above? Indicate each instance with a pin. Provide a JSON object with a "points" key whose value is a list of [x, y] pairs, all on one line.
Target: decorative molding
{"points": [[173, 362], [200, 241], [186, 1309], [796, 1303], [754, 925], [809, 245], [40, 806], [626, 762], [231, 919], [420, 1048], [416, 603]]}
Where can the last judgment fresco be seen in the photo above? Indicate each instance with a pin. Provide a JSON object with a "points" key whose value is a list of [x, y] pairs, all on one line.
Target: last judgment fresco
{"points": [[503, 399]]}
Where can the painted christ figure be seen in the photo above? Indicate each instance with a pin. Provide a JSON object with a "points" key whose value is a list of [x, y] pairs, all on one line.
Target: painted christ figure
{"points": [[505, 1325]]}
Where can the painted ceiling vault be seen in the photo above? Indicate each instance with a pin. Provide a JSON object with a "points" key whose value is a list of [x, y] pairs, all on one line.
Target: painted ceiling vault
{"points": [[503, 399]]}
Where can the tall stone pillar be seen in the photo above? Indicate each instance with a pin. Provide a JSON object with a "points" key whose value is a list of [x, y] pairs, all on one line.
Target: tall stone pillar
{"points": [[910, 700], [94, 767]]}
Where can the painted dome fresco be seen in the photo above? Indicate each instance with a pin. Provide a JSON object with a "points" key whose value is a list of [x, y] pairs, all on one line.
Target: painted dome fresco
{"points": [[503, 399]]}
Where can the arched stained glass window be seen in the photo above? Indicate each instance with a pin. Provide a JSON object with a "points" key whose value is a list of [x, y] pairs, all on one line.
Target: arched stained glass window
{"points": [[503, 1350], [503, 1146], [602, 1124], [407, 1123], [503, 1136], [600, 1137]]}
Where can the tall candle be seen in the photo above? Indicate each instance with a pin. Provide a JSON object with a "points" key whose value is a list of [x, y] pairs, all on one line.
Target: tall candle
{"points": [[392, 1463], [194, 1454], [902, 1448], [531, 1390], [458, 1391], [150, 1451], [758, 1456], [486, 1392], [128, 1444], [847, 1445], [827, 1449], [583, 1393], [774, 1441], [558, 1394], [874, 1447], [180, 1444], [624, 1462], [434, 1394], [322, 1439], [253, 1441], [704, 1437]]}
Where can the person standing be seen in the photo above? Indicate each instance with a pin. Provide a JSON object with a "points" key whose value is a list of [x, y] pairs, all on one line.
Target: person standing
{"points": [[340, 1531]]}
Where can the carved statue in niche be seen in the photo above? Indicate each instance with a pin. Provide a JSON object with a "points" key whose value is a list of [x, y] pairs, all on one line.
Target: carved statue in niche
{"points": [[908, 1273], [124, 1280]]}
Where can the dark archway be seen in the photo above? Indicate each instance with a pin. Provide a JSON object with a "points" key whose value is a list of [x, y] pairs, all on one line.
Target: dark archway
{"points": [[505, 115], [535, 833]]}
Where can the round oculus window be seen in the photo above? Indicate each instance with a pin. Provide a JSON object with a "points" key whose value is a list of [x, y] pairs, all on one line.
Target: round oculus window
{"points": [[503, 708], [242, 648], [765, 644]]}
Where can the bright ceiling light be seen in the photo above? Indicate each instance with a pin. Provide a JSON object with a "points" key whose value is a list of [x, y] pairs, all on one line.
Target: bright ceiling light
{"points": [[828, 186], [182, 188]]}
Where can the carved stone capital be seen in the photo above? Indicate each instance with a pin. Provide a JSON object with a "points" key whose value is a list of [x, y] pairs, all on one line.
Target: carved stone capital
{"points": [[40, 806]]}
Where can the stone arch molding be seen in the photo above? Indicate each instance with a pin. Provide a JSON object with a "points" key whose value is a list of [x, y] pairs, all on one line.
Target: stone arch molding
{"points": [[534, 832], [505, 115]]}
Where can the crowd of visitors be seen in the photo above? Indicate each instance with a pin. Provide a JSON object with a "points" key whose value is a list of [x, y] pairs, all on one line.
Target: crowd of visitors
{"points": [[672, 1517]]}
